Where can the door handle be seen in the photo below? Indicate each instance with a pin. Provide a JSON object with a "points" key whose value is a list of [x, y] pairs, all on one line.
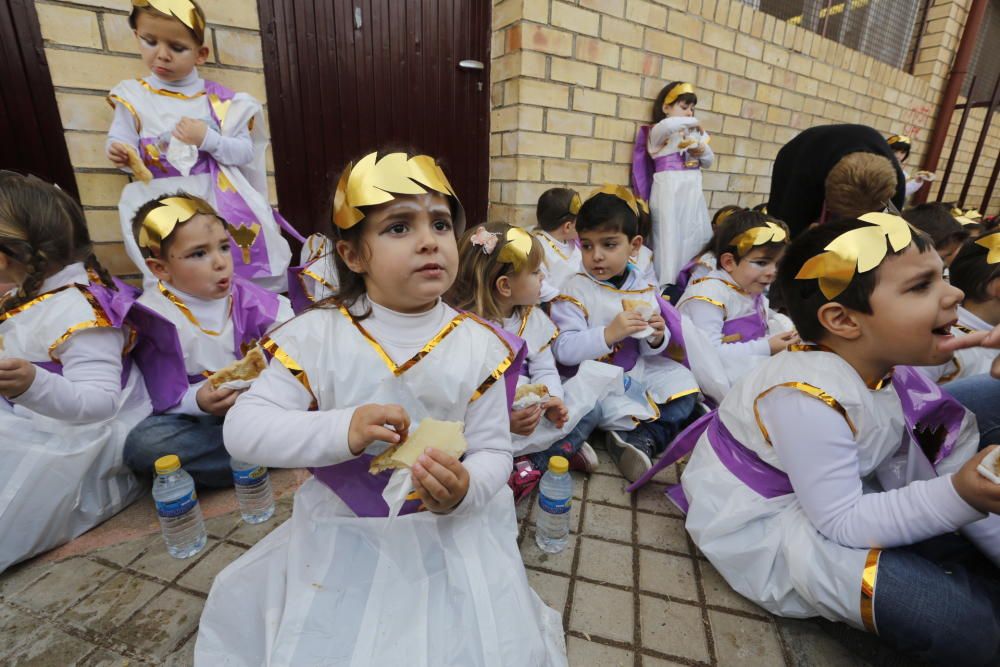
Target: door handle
{"points": [[471, 65]]}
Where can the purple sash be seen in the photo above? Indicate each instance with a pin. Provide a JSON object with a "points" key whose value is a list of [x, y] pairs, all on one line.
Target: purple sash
{"points": [[932, 417], [362, 491], [675, 162], [747, 328], [684, 275], [642, 164]]}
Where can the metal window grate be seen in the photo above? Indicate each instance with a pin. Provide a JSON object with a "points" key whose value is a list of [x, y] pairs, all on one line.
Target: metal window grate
{"points": [[985, 65], [883, 29]]}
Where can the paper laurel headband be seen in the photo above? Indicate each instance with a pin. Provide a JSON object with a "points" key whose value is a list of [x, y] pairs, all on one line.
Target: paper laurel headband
{"points": [[374, 180], [675, 92], [515, 250], [162, 220], [575, 204], [857, 251], [992, 243], [619, 191], [756, 236], [183, 10], [898, 139], [970, 217]]}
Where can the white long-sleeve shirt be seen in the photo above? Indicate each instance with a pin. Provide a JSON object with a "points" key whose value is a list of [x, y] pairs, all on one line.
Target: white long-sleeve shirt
{"points": [[827, 482], [541, 365], [710, 302], [89, 388], [271, 423], [661, 133], [233, 151]]}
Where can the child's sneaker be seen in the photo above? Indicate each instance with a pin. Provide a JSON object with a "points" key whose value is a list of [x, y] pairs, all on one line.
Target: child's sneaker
{"points": [[585, 460], [632, 453], [524, 479]]}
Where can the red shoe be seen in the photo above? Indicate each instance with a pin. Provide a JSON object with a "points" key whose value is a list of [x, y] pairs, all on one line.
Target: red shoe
{"points": [[524, 479], [585, 460]]}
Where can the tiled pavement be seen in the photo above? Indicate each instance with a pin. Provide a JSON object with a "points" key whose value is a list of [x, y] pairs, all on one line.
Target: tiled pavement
{"points": [[630, 586]]}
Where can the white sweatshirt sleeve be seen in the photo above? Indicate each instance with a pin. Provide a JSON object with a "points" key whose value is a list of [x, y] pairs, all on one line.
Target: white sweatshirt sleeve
{"points": [[819, 454], [232, 151], [271, 424], [709, 318], [660, 133], [490, 456], [577, 340], [89, 390]]}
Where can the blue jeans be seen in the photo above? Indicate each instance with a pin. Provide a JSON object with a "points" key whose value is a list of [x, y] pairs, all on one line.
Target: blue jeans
{"points": [[674, 418], [197, 440], [571, 444], [980, 394], [940, 601]]}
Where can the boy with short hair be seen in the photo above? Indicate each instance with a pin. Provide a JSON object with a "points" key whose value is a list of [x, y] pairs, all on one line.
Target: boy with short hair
{"points": [[174, 130], [216, 318], [936, 220], [611, 314], [556, 214]]}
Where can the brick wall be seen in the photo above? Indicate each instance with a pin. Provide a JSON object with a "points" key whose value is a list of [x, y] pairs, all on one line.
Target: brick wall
{"points": [[572, 80], [90, 47]]}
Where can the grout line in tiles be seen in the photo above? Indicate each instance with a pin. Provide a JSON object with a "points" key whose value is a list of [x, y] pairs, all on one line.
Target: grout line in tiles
{"points": [[703, 600]]}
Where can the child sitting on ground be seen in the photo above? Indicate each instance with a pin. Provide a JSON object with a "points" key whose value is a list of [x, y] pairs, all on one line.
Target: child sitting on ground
{"points": [[609, 313], [556, 215], [216, 317]]}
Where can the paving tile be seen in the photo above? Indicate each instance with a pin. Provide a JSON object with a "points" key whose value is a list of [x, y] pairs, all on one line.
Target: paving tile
{"points": [[220, 526], [124, 553], [602, 612], [50, 647], [651, 498], [742, 641], [252, 533], [575, 511], [161, 625], [605, 562], [535, 557], [156, 562], [113, 603], [611, 522], [552, 588], [106, 658], [662, 532], [525, 505], [201, 576], [63, 585], [650, 661], [591, 654], [16, 630], [668, 475], [604, 463], [579, 481], [672, 628], [809, 646], [184, 656], [605, 488], [667, 575], [718, 592], [16, 578]]}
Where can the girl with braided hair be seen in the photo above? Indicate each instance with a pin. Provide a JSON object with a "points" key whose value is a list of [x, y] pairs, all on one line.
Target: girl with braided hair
{"points": [[68, 394]]}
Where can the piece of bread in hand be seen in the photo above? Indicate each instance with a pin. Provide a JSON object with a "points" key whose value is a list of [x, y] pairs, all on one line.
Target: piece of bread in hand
{"points": [[634, 304], [138, 167], [525, 390], [247, 368], [444, 436]]}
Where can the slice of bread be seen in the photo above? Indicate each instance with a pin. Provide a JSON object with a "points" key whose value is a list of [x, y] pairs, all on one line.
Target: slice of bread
{"points": [[444, 436], [138, 167], [247, 368], [526, 390]]}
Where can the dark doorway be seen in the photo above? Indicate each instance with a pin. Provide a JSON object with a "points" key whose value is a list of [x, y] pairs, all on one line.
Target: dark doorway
{"points": [[348, 76], [31, 132]]}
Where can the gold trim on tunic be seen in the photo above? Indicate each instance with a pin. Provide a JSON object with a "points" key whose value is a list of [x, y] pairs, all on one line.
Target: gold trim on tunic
{"points": [[808, 390], [100, 320], [30, 304], [699, 297], [615, 289], [174, 299], [948, 377], [501, 368], [555, 335], [306, 273], [293, 367], [868, 578], [128, 105], [169, 93], [552, 243], [733, 286], [524, 320], [575, 302], [399, 369]]}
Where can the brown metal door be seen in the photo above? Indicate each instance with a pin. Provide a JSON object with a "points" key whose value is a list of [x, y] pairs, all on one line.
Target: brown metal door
{"points": [[31, 133], [345, 77]]}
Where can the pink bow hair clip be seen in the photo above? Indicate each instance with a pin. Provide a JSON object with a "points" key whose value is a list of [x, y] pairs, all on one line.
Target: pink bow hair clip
{"points": [[484, 239]]}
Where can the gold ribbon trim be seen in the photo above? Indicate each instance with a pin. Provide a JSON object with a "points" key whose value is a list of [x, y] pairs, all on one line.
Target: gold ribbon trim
{"points": [[181, 306], [808, 390], [698, 297], [868, 578], [675, 92], [170, 93], [293, 367], [115, 99], [575, 302]]}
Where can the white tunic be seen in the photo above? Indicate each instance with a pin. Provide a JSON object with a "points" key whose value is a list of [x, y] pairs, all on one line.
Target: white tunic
{"points": [[329, 588], [681, 225], [583, 311], [563, 260], [643, 261], [62, 451], [815, 551], [318, 273], [592, 382]]}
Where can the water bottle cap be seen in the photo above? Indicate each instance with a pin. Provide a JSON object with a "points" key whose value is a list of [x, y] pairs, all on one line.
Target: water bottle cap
{"points": [[167, 464], [558, 465]]}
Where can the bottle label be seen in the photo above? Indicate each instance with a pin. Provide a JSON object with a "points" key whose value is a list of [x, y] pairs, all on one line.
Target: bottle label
{"points": [[250, 476], [182, 505], [554, 505]]}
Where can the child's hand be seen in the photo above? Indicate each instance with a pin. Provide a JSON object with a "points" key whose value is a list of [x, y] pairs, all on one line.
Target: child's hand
{"points": [[659, 330], [216, 401], [118, 154], [370, 422], [524, 421], [624, 325], [16, 375], [191, 131], [440, 480], [983, 494], [556, 412], [778, 342]]}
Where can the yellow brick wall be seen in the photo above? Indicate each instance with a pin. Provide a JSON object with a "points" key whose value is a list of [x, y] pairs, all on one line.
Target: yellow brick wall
{"points": [[90, 47], [573, 79], [963, 159]]}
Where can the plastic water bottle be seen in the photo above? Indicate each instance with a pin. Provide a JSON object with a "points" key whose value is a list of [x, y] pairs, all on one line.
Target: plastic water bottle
{"points": [[178, 509], [555, 499], [253, 491]]}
